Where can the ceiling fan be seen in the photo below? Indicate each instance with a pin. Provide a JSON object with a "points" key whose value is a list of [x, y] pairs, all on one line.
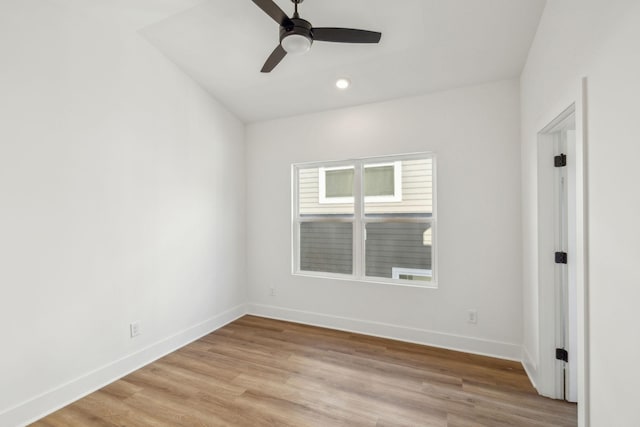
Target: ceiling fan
{"points": [[297, 35]]}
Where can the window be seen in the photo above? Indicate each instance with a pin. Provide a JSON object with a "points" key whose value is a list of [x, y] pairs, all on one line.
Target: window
{"points": [[366, 219], [411, 274], [383, 183]]}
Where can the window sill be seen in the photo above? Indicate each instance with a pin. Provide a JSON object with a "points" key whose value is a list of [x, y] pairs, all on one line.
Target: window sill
{"points": [[376, 280]]}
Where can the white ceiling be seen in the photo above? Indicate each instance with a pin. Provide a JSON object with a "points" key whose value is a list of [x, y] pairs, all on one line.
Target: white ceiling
{"points": [[427, 45]]}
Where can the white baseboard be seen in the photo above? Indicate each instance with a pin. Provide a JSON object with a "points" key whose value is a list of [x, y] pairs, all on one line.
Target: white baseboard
{"points": [[530, 367], [52, 400], [482, 347]]}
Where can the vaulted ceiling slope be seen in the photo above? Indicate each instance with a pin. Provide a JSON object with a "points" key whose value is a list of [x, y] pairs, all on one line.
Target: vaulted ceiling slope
{"points": [[427, 45]]}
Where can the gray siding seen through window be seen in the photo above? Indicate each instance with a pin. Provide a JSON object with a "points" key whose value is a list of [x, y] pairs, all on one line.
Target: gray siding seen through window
{"points": [[396, 244], [326, 247]]}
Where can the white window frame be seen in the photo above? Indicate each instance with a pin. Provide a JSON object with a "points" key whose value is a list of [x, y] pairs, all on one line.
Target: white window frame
{"points": [[360, 221], [394, 198], [397, 271], [322, 186]]}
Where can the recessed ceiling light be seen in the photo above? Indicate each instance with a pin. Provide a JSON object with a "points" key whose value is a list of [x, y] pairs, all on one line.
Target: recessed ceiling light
{"points": [[343, 83]]}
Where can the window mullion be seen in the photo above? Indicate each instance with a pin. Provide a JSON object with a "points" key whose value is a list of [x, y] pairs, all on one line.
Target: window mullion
{"points": [[295, 224], [358, 231]]}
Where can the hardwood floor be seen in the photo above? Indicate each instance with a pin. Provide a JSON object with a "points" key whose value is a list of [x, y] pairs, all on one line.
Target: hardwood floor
{"points": [[261, 372]]}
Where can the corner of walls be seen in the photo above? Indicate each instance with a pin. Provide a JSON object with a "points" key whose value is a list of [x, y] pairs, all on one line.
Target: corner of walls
{"points": [[56, 398], [431, 122], [530, 367], [131, 161], [447, 341]]}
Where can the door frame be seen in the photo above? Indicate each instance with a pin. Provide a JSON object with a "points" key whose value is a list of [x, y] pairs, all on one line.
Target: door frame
{"points": [[547, 375]]}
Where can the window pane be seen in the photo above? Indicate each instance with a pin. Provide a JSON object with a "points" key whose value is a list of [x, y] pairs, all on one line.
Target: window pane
{"points": [[379, 181], [326, 247], [312, 199], [339, 183], [412, 195], [398, 250]]}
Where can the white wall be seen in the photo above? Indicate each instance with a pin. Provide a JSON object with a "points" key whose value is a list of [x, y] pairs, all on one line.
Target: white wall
{"points": [[121, 199], [475, 132], [600, 40]]}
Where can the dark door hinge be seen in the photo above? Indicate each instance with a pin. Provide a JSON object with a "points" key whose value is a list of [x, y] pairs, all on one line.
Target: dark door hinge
{"points": [[561, 257], [562, 354], [560, 161]]}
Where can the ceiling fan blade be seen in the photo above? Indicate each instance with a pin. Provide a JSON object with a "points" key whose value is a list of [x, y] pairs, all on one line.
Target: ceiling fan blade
{"points": [[345, 35], [274, 11], [274, 59]]}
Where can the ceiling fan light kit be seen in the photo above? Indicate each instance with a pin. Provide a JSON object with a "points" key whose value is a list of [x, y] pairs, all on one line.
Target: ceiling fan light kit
{"points": [[296, 44], [297, 35]]}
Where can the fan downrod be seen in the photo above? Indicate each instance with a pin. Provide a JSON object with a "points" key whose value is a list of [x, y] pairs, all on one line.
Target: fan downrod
{"points": [[296, 3]]}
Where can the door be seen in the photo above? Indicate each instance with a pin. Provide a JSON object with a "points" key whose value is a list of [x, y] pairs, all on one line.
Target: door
{"points": [[558, 254], [564, 280]]}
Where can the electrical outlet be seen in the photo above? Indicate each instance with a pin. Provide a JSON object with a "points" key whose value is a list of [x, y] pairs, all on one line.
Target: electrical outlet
{"points": [[272, 291], [472, 316], [135, 329]]}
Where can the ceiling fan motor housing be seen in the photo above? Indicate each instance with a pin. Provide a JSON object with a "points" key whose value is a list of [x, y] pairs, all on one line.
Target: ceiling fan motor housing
{"points": [[300, 26], [296, 27]]}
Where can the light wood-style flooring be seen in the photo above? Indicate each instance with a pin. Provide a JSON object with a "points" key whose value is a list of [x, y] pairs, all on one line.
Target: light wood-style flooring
{"points": [[262, 372]]}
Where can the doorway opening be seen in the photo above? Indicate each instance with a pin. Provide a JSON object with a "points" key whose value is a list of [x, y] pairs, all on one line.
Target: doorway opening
{"points": [[558, 256]]}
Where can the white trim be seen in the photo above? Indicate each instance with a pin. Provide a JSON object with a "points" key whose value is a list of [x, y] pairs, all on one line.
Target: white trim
{"points": [[455, 342], [421, 272], [58, 397], [359, 230], [434, 221], [550, 311], [322, 186], [530, 367], [580, 99], [397, 183], [358, 218], [394, 198], [351, 278], [582, 252]]}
